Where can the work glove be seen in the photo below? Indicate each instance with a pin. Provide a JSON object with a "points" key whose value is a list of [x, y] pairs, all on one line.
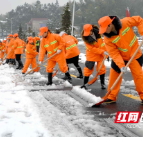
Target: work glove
{"points": [[39, 62], [106, 53], [59, 51], [123, 69]]}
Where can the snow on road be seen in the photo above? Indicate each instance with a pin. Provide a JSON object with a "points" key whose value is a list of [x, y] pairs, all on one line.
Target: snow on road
{"points": [[43, 113]]}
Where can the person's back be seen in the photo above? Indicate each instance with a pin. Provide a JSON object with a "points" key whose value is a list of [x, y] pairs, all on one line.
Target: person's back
{"points": [[71, 48]]}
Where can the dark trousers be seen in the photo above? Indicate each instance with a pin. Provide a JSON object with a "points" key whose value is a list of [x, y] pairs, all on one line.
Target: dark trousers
{"points": [[74, 61], [18, 57]]}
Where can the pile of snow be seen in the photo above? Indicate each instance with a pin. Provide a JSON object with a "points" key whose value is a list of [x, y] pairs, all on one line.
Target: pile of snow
{"points": [[18, 118], [82, 58], [71, 69], [90, 98], [128, 83]]}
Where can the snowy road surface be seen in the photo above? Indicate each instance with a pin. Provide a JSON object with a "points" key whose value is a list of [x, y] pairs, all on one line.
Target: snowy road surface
{"points": [[44, 113]]}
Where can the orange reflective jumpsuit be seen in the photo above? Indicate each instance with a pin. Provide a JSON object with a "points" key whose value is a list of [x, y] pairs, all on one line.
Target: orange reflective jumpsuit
{"points": [[121, 47], [18, 46], [30, 58], [51, 44], [11, 55], [71, 48], [95, 53], [2, 47]]}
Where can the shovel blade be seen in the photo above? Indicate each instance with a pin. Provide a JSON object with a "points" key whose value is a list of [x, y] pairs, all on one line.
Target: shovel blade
{"points": [[92, 81]]}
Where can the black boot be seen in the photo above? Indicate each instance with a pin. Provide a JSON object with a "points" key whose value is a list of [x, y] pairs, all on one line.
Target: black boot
{"points": [[7, 61], [68, 77], [21, 65], [80, 73], [86, 78], [14, 62], [49, 79], [18, 65], [102, 80]]}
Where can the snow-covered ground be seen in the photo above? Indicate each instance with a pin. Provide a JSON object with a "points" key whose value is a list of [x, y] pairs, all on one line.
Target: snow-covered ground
{"points": [[42, 113]]}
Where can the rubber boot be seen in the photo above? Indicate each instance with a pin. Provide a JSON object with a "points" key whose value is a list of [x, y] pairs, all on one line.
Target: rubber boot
{"points": [[7, 61], [14, 62], [102, 81], [21, 65], [80, 73], [49, 79], [68, 77], [86, 78], [18, 65]]}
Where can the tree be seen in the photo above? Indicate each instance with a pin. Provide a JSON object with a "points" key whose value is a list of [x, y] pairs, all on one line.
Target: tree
{"points": [[20, 32], [66, 20]]}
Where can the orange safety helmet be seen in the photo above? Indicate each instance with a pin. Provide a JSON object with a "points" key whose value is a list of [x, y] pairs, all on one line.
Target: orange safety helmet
{"points": [[103, 23], [43, 30], [87, 28]]}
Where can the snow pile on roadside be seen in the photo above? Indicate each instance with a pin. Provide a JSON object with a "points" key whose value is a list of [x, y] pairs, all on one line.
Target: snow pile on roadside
{"points": [[90, 98], [17, 117], [82, 58]]}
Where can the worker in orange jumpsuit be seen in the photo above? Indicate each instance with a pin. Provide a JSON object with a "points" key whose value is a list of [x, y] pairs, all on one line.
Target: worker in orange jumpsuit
{"points": [[53, 43], [11, 55], [72, 51], [18, 50], [30, 55], [121, 43], [95, 52], [2, 49]]}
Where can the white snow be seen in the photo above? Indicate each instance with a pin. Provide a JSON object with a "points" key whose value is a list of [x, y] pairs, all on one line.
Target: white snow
{"points": [[71, 69], [90, 98], [82, 58], [43, 113]]}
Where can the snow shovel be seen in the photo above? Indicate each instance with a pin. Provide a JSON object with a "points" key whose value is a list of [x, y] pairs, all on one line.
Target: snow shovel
{"points": [[121, 74], [95, 78], [22, 79], [5, 56]]}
